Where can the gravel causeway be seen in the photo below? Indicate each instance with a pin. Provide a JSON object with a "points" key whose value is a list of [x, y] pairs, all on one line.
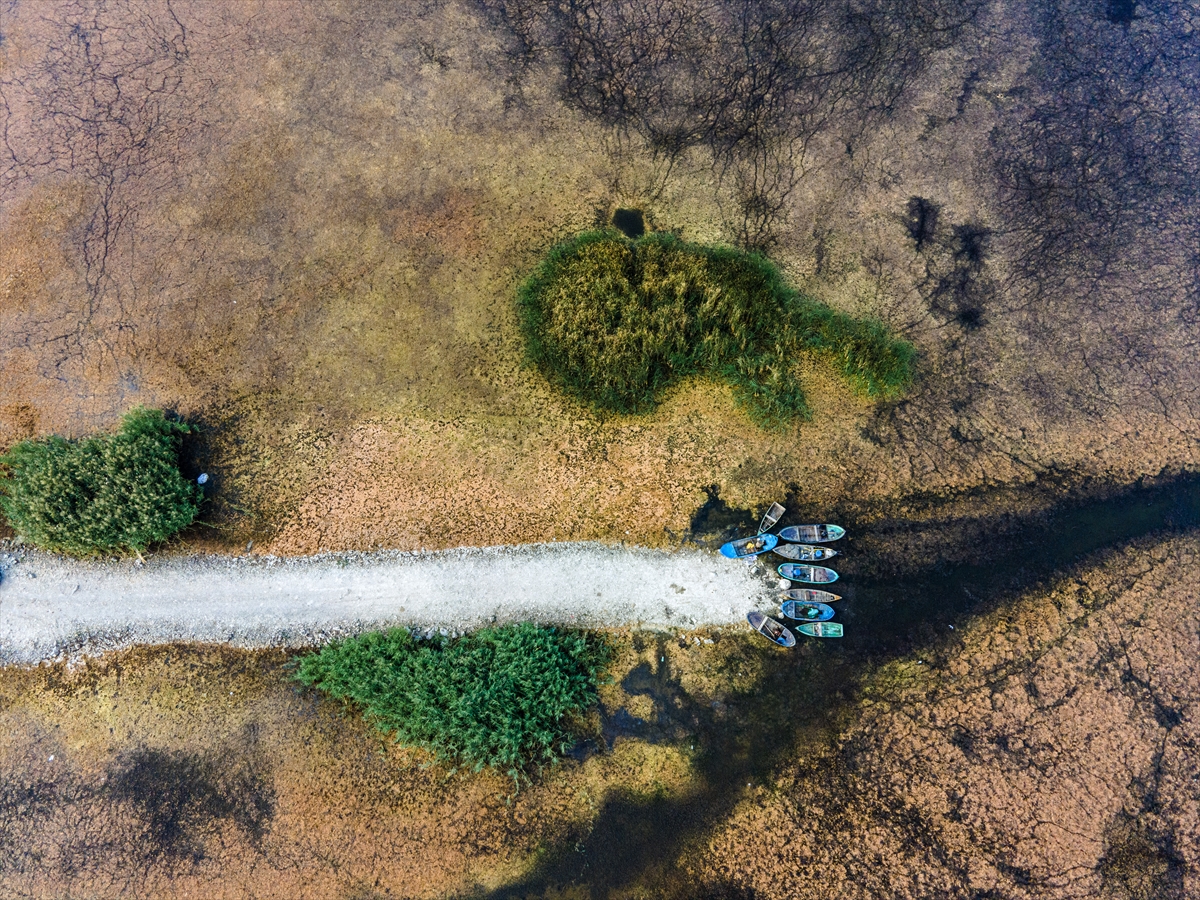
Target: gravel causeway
{"points": [[51, 607]]}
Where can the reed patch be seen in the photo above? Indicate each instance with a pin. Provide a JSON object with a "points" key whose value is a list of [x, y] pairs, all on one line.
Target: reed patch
{"points": [[500, 697], [616, 322], [107, 494]]}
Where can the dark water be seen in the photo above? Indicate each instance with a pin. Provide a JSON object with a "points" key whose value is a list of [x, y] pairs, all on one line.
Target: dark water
{"points": [[717, 521], [1121, 12], [629, 222], [633, 843], [890, 616]]}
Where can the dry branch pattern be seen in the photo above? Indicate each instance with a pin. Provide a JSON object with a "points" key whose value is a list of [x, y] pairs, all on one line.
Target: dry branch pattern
{"points": [[105, 95], [318, 220], [1048, 750]]}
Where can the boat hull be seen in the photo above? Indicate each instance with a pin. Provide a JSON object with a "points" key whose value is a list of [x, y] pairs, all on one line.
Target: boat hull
{"points": [[751, 546], [773, 631], [812, 534], [809, 595], [807, 612], [770, 517], [809, 574], [820, 629], [805, 552]]}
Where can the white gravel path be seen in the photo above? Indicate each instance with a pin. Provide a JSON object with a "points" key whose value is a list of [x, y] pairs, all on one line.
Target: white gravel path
{"points": [[52, 607]]}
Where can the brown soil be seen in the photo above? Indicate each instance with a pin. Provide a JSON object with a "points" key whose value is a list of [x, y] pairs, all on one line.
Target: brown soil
{"points": [[1049, 751], [1046, 749], [302, 226], [184, 771], [314, 250]]}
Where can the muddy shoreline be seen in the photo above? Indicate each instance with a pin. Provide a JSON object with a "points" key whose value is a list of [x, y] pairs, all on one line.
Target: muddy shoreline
{"points": [[1066, 674], [901, 607]]}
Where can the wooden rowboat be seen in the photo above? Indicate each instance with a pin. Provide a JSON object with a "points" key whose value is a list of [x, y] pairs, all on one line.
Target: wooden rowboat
{"points": [[812, 534], [820, 629], [810, 574], [751, 546], [807, 612], [805, 552], [809, 595], [770, 517], [771, 630]]}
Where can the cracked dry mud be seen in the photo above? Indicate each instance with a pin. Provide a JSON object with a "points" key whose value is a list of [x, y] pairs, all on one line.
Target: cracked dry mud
{"points": [[1049, 751], [302, 225]]}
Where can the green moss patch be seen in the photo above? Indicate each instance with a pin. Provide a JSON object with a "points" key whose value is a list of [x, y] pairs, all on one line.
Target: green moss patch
{"points": [[615, 322]]}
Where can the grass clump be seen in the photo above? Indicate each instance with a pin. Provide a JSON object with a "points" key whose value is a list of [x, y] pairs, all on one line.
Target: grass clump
{"points": [[502, 697], [616, 321], [111, 493]]}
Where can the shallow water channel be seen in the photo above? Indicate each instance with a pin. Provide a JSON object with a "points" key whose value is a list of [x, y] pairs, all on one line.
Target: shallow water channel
{"points": [[889, 609]]}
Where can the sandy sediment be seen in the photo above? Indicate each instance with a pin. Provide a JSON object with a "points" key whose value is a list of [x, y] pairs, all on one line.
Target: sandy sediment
{"points": [[50, 606], [316, 263]]}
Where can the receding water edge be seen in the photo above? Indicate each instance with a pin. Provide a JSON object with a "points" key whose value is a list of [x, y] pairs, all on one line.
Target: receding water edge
{"points": [[800, 695]]}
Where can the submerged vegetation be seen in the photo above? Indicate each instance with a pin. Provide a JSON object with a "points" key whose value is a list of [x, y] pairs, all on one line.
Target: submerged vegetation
{"points": [[501, 697], [616, 322], [110, 493]]}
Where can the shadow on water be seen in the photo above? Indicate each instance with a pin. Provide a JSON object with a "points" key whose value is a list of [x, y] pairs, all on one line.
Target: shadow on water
{"points": [[635, 843], [893, 617], [629, 222], [715, 521]]}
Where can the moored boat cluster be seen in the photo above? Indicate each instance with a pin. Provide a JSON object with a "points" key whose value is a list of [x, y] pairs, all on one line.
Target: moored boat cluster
{"points": [[809, 606]]}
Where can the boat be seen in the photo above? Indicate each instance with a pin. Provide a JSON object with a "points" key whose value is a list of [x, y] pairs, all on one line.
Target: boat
{"points": [[751, 546], [771, 630], [820, 629], [812, 534], [809, 595], [804, 552], [770, 517], [810, 574], [807, 612]]}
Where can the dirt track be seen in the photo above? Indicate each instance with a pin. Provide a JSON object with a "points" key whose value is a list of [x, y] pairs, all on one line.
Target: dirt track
{"points": [[50, 606]]}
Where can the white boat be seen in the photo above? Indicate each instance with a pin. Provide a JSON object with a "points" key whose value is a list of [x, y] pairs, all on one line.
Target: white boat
{"points": [[805, 552]]}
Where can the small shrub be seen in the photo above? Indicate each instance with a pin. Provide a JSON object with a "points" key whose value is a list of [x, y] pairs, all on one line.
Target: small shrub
{"points": [[113, 493], [501, 697], [615, 322]]}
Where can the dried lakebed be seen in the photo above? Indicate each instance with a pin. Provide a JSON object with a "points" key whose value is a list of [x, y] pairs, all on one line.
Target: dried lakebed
{"points": [[51, 607], [1063, 693]]}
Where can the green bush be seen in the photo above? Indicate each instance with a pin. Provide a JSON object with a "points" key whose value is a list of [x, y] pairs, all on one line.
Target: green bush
{"points": [[113, 493], [502, 697], [615, 322]]}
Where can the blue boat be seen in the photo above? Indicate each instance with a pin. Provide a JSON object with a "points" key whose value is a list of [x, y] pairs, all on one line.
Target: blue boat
{"points": [[807, 612], [809, 574], [751, 546], [811, 534]]}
